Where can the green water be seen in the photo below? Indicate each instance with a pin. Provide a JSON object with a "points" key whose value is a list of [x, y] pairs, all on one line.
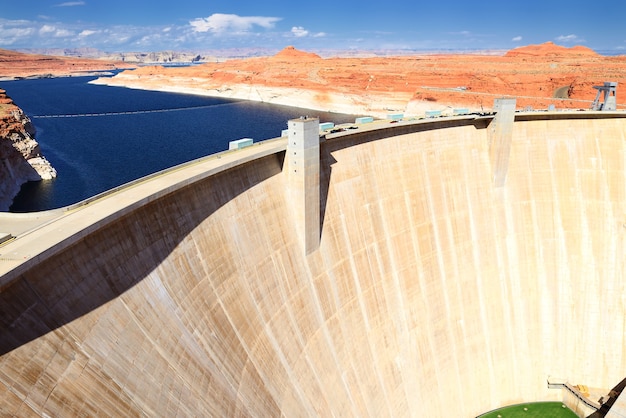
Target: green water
{"points": [[532, 410]]}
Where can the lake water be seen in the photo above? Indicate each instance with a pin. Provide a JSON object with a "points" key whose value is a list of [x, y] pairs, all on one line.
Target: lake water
{"points": [[96, 153]]}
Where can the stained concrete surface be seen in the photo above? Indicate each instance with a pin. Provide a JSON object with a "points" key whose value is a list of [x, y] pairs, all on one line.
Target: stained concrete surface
{"points": [[433, 293]]}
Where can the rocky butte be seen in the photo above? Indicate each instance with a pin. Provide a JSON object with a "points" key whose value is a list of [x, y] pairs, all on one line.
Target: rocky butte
{"points": [[537, 75]]}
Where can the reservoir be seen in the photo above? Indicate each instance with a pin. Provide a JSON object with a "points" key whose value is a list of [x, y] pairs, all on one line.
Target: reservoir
{"points": [[144, 132]]}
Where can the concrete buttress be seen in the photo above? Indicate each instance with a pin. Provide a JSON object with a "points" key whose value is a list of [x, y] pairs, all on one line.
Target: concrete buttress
{"points": [[500, 134], [303, 172]]}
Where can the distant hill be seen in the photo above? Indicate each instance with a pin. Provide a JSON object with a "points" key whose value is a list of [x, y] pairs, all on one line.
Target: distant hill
{"points": [[15, 64], [291, 53], [157, 57], [218, 55], [551, 49]]}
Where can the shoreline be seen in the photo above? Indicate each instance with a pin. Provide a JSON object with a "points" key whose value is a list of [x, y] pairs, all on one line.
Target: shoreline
{"points": [[95, 73], [375, 105]]}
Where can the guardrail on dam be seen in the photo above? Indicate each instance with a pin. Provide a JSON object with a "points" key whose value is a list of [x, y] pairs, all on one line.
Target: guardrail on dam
{"points": [[433, 289]]}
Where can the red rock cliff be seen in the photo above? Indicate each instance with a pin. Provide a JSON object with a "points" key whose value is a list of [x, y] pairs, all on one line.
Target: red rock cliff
{"points": [[17, 65], [537, 75], [20, 157]]}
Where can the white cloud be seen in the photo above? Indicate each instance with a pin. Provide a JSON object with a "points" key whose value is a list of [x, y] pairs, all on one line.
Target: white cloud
{"points": [[215, 31], [219, 23], [147, 40], [569, 38], [50, 30], [42, 34], [70, 4], [10, 35], [517, 39], [45, 29], [88, 32], [64, 33], [117, 38], [299, 31]]}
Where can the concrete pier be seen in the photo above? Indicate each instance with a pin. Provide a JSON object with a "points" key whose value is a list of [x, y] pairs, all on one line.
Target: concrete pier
{"points": [[500, 135], [433, 292], [303, 173]]}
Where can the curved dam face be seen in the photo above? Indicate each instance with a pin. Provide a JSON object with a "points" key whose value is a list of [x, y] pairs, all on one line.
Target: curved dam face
{"points": [[432, 293]]}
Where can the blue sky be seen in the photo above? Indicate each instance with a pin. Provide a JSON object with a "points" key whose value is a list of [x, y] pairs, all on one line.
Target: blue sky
{"points": [[195, 25]]}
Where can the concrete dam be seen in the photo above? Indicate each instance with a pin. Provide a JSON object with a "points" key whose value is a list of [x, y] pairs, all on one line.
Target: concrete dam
{"points": [[449, 267]]}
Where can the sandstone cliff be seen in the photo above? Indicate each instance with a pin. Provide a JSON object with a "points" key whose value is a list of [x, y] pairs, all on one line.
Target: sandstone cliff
{"points": [[537, 75], [19, 65], [20, 157]]}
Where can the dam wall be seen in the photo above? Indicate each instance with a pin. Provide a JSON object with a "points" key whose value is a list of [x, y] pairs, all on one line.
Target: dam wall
{"points": [[432, 293]]}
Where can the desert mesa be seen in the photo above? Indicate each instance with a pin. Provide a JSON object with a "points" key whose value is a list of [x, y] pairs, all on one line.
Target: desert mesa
{"points": [[537, 75]]}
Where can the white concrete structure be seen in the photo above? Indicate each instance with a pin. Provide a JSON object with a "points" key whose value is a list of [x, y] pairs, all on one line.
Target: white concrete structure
{"points": [[303, 173], [501, 131], [240, 143], [433, 291]]}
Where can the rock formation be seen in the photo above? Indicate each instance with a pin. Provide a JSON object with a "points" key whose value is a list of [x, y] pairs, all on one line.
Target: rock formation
{"points": [[550, 49], [538, 75], [20, 157], [143, 57], [19, 65]]}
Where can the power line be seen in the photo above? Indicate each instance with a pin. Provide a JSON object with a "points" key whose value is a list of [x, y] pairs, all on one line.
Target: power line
{"points": [[132, 112]]}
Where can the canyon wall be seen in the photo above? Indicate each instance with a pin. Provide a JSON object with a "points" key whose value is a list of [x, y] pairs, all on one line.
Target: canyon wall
{"points": [[20, 157], [433, 292], [538, 76]]}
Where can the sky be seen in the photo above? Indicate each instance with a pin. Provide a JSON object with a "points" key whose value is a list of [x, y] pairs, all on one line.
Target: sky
{"points": [[197, 25]]}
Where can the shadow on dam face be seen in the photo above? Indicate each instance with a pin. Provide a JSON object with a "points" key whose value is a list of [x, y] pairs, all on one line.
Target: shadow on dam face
{"points": [[30, 308], [433, 293]]}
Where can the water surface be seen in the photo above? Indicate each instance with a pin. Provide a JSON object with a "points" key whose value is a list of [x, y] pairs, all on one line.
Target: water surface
{"points": [[93, 154]]}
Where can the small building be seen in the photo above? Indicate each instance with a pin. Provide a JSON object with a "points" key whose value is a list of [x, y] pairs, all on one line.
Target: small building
{"points": [[326, 125], [395, 116], [364, 119], [240, 143], [433, 113]]}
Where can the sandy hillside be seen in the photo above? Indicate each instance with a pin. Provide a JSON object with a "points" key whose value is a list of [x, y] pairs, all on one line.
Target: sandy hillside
{"points": [[538, 75]]}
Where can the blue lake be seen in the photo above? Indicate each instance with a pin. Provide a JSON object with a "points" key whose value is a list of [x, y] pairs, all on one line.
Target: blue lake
{"points": [[93, 154]]}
